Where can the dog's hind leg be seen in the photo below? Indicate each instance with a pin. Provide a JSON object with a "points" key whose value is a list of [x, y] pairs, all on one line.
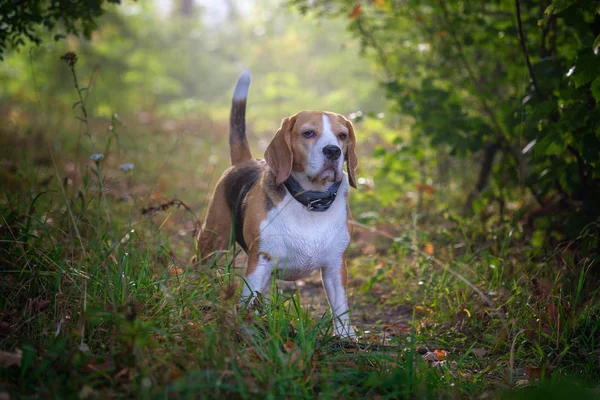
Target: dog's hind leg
{"points": [[217, 233]]}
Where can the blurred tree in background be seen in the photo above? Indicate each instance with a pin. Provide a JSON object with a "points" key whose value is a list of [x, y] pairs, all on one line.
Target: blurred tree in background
{"points": [[25, 20], [514, 83]]}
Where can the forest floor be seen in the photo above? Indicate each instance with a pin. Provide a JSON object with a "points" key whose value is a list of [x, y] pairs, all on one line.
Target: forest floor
{"points": [[103, 299]]}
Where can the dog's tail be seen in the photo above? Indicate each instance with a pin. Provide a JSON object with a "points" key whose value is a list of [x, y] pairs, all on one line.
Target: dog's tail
{"points": [[238, 143]]}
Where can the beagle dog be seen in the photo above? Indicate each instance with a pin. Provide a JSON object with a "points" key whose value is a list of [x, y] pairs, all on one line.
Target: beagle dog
{"points": [[289, 212]]}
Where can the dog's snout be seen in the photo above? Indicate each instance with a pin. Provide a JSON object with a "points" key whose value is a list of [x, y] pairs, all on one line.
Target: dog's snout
{"points": [[332, 152]]}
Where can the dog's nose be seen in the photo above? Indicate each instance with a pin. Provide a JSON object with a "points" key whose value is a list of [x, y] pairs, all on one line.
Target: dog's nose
{"points": [[332, 152]]}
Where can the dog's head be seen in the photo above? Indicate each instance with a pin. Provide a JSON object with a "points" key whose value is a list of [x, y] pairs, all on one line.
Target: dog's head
{"points": [[315, 144]]}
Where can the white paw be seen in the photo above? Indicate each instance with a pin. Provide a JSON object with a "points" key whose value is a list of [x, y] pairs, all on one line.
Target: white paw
{"points": [[345, 331]]}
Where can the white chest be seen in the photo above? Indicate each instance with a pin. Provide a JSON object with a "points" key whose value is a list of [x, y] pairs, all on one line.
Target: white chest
{"points": [[301, 241]]}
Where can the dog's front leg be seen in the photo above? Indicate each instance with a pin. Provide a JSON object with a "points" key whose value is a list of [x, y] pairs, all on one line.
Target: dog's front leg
{"points": [[334, 280], [258, 278]]}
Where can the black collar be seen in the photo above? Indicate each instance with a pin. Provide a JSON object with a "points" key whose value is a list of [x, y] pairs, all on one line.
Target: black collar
{"points": [[313, 200]]}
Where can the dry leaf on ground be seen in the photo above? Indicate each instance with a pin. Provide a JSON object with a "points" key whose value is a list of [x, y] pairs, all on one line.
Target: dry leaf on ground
{"points": [[441, 354], [436, 358], [428, 248]]}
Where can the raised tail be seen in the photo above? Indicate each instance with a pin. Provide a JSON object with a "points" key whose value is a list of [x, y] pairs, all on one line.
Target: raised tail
{"points": [[238, 143]]}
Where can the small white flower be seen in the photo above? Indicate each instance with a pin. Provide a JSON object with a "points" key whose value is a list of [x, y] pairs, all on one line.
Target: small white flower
{"points": [[126, 167], [96, 157]]}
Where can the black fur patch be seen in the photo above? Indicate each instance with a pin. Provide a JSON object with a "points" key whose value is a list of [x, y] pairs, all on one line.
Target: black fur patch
{"points": [[237, 121], [237, 185], [277, 190]]}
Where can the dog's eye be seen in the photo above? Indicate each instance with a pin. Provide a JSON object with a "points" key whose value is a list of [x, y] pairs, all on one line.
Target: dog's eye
{"points": [[343, 136], [308, 134]]}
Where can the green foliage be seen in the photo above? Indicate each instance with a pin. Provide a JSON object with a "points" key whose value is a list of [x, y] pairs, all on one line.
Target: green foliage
{"points": [[471, 76], [21, 21]]}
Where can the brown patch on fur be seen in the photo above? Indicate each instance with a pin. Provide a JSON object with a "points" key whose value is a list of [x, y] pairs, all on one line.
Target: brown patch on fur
{"points": [[301, 146], [252, 261], [274, 192], [255, 214], [350, 150], [279, 152], [217, 226]]}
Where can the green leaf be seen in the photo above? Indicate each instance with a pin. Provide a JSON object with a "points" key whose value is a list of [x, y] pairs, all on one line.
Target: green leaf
{"points": [[587, 69], [596, 90], [596, 43], [537, 240]]}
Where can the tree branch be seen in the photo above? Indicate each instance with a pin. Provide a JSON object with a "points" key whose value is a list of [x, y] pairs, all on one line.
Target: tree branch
{"points": [[524, 47], [489, 152]]}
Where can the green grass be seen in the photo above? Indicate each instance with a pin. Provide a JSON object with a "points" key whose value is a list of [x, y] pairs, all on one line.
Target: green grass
{"points": [[104, 301]]}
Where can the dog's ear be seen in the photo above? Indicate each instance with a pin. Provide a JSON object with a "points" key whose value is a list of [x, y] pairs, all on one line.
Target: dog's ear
{"points": [[279, 152], [350, 156]]}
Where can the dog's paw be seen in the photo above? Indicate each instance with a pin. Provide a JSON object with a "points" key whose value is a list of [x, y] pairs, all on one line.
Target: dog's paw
{"points": [[345, 332]]}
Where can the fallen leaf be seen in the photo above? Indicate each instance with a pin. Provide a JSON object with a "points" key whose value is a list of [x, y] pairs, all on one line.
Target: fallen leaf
{"points": [[8, 360], [441, 354], [355, 13], [428, 248]]}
